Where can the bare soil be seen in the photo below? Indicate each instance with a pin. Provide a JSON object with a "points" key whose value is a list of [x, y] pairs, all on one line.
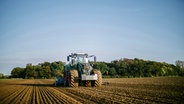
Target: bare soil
{"points": [[116, 90]]}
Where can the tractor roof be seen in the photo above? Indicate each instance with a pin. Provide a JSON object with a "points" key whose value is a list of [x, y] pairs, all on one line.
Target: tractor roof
{"points": [[80, 54]]}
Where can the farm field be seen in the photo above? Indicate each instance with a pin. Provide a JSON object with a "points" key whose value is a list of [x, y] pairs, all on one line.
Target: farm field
{"points": [[119, 90]]}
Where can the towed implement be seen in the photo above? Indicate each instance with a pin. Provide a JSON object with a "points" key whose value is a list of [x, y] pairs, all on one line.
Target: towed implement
{"points": [[80, 72]]}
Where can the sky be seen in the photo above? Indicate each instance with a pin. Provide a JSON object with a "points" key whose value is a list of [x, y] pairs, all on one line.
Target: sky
{"points": [[35, 31]]}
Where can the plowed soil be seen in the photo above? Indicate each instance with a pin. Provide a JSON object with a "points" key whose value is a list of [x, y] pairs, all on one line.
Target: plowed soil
{"points": [[117, 90]]}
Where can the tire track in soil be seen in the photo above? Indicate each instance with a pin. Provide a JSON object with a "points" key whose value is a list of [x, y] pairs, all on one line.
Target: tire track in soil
{"points": [[85, 94], [108, 96], [39, 96], [140, 94], [116, 95], [40, 93], [47, 96], [51, 95], [47, 99], [5, 93], [13, 97], [76, 97], [26, 98], [20, 97], [61, 96], [55, 98], [15, 92]]}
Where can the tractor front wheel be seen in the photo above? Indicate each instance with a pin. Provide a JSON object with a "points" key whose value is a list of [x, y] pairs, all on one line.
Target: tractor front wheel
{"points": [[74, 78]]}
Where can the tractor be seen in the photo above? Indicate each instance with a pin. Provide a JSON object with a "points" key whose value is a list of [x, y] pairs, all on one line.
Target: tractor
{"points": [[79, 72]]}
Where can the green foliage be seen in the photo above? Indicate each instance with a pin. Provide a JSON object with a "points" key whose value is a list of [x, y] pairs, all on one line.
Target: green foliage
{"points": [[1, 75], [112, 71], [102, 66], [180, 67], [42, 70], [139, 68], [17, 72]]}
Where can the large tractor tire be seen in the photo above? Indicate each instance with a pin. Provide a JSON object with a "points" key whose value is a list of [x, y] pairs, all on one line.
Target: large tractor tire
{"points": [[98, 82], [74, 78]]}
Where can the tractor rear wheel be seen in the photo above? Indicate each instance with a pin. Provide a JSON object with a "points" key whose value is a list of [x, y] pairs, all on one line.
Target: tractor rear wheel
{"points": [[98, 82], [74, 78]]}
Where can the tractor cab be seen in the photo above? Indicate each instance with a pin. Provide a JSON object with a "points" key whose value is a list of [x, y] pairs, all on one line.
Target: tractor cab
{"points": [[80, 58]]}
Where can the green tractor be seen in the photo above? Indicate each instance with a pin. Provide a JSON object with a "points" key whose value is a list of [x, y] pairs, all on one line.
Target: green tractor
{"points": [[79, 72]]}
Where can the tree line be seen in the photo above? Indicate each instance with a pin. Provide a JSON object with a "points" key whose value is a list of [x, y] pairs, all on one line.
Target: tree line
{"points": [[139, 68], [117, 68], [44, 70]]}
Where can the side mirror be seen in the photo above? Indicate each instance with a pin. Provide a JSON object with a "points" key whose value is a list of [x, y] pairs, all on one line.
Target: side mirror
{"points": [[94, 58], [68, 58]]}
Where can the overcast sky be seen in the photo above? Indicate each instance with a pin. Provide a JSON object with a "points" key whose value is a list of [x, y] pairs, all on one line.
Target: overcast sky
{"points": [[34, 31]]}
